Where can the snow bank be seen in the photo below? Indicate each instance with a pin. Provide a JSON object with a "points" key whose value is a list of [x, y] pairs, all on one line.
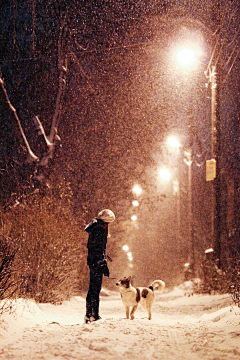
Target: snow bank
{"points": [[182, 328]]}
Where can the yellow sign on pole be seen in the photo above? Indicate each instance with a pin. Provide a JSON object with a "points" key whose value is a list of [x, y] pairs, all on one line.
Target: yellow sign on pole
{"points": [[210, 169]]}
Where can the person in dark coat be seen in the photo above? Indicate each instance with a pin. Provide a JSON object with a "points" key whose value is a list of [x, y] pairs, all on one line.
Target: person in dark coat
{"points": [[96, 260]]}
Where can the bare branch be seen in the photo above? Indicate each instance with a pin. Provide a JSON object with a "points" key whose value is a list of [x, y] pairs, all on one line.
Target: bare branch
{"points": [[41, 130], [53, 137], [31, 156], [62, 67]]}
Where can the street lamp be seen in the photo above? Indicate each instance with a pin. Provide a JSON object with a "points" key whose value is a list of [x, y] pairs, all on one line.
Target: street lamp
{"points": [[135, 203], [186, 56], [137, 190], [174, 143], [129, 255], [125, 247], [164, 174]]}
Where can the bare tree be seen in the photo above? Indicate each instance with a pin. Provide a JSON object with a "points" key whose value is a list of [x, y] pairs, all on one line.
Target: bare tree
{"points": [[52, 139]]}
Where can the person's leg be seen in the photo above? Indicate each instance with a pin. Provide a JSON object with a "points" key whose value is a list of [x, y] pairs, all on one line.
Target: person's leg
{"points": [[89, 296], [97, 285], [88, 304]]}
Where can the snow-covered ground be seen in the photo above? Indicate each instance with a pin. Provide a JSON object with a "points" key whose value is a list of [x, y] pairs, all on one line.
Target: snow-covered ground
{"points": [[195, 327]]}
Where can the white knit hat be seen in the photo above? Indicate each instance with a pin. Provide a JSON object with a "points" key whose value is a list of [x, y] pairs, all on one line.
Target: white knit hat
{"points": [[106, 215]]}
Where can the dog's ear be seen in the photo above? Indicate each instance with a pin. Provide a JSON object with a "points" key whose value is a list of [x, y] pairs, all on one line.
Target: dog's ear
{"points": [[129, 278]]}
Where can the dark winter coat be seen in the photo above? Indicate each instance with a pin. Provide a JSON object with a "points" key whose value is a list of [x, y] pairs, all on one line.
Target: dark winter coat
{"points": [[97, 240]]}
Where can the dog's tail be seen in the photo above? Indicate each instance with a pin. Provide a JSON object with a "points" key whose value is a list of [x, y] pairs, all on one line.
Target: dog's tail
{"points": [[157, 284]]}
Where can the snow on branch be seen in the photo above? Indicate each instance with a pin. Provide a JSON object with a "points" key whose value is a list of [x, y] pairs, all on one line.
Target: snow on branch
{"points": [[53, 138], [62, 67], [31, 156]]}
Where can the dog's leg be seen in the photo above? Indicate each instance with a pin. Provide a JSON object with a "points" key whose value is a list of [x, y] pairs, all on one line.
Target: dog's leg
{"points": [[133, 311], [127, 311], [149, 309]]}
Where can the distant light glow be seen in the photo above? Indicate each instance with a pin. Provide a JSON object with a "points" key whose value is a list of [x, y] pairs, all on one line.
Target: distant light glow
{"points": [[135, 203], [125, 247], [165, 174], [137, 190], [209, 251], [130, 257], [176, 187], [134, 217], [173, 142]]}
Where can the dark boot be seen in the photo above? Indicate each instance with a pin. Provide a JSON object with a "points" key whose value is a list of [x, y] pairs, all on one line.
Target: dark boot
{"points": [[86, 319], [95, 318], [95, 309]]}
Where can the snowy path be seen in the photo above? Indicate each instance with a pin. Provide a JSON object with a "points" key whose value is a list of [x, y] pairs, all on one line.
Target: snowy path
{"points": [[198, 327]]}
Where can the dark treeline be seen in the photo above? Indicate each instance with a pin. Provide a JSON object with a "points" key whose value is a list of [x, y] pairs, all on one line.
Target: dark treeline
{"points": [[75, 132]]}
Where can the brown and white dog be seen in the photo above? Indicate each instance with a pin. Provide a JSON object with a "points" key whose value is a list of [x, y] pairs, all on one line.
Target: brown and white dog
{"points": [[132, 296]]}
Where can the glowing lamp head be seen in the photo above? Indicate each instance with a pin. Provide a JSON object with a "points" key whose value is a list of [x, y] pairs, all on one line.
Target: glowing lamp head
{"points": [[165, 174], [186, 56], [125, 247], [173, 142], [135, 203], [137, 190]]}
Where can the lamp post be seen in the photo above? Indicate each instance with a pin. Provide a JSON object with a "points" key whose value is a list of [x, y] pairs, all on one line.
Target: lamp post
{"points": [[188, 161], [176, 190], [165, 175], [174, 143], [215, 174], [187, 56]]}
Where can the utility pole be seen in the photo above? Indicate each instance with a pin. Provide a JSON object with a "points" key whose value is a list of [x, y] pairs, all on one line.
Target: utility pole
{"points": [[216, 145], [190, 213], [215, 153], [189, 156]]}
